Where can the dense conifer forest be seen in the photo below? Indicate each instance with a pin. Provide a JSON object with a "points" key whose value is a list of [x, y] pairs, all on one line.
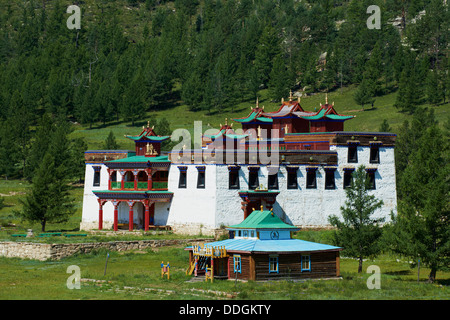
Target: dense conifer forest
{"points": [[133, 56]]}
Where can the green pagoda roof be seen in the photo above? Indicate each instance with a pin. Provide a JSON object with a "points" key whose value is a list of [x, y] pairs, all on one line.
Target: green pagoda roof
{"points": [[254, 117], [263, 220], [224, 133]]}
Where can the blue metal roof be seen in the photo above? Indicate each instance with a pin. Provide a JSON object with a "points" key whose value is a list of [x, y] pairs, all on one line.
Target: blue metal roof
{"points": [[257, 245]]}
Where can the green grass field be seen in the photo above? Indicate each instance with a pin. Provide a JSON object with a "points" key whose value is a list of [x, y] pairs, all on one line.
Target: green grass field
{"points": [[136, 275]]}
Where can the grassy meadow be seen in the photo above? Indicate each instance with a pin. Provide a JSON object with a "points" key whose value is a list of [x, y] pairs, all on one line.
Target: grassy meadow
{"points": [[136, 275]]}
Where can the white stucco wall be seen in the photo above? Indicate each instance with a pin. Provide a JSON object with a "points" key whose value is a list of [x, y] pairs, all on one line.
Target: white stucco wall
{"points": [[194, 211], [89, 218]]}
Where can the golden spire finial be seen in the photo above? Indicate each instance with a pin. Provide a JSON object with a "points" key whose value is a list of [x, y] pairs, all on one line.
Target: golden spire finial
{"points": [[298, 99], [257, 102], [326, 98], [226, 121], [148, 124], [282, 100], [290, 95], [262, 207]]}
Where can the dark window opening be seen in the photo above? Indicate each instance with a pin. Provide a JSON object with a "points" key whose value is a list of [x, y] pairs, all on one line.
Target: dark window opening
{"points": [[311, 179], [348, 177], [253, 180], [182, 181], [352, 154], [273, 181], [370, 180], [292, 179], [329, 179], [201, 180], [96, 178], [374, 154], [233, 179]]}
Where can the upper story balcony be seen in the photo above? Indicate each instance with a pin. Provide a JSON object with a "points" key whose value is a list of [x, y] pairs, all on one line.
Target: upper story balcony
{"points": [[138, 180]]}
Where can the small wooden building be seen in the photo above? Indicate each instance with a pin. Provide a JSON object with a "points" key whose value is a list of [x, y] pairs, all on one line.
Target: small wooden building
{"points": [[262, 248]]}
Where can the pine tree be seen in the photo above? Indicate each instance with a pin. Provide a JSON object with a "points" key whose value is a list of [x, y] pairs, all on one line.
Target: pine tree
{"points": [[102, 102], [133, 104], [278, 84], [433, 89], [79, 146], [359, 233], [9, 151], [364, 93], [408, 96], [110, 142], [384, 127], [421, 229], [267, 49], [44, 130], [49, 199]]}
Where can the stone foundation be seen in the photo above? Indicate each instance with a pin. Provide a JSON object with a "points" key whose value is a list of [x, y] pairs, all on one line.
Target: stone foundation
{"points": [[56, 251]]}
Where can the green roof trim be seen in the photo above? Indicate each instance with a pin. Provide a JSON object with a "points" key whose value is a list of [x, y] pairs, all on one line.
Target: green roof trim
{"points": [[236, 136], [231, 136], [150, 138], [258, 191], [253, 117], [338, 117], [141, 159], [214, 136], [132, 191], [263, 220], [264, 119], [315, 117]]}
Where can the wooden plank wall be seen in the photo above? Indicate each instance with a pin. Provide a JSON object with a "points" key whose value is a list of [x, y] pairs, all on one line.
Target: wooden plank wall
{"points": [[246, 269], [323, 265]]}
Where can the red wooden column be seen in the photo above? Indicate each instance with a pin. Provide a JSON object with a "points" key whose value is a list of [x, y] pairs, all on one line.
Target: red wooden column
{"points": [[122, 181], [116, 214], [149, 179], [135, 174], [130, 215], [100, 213], [147, 215]]}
